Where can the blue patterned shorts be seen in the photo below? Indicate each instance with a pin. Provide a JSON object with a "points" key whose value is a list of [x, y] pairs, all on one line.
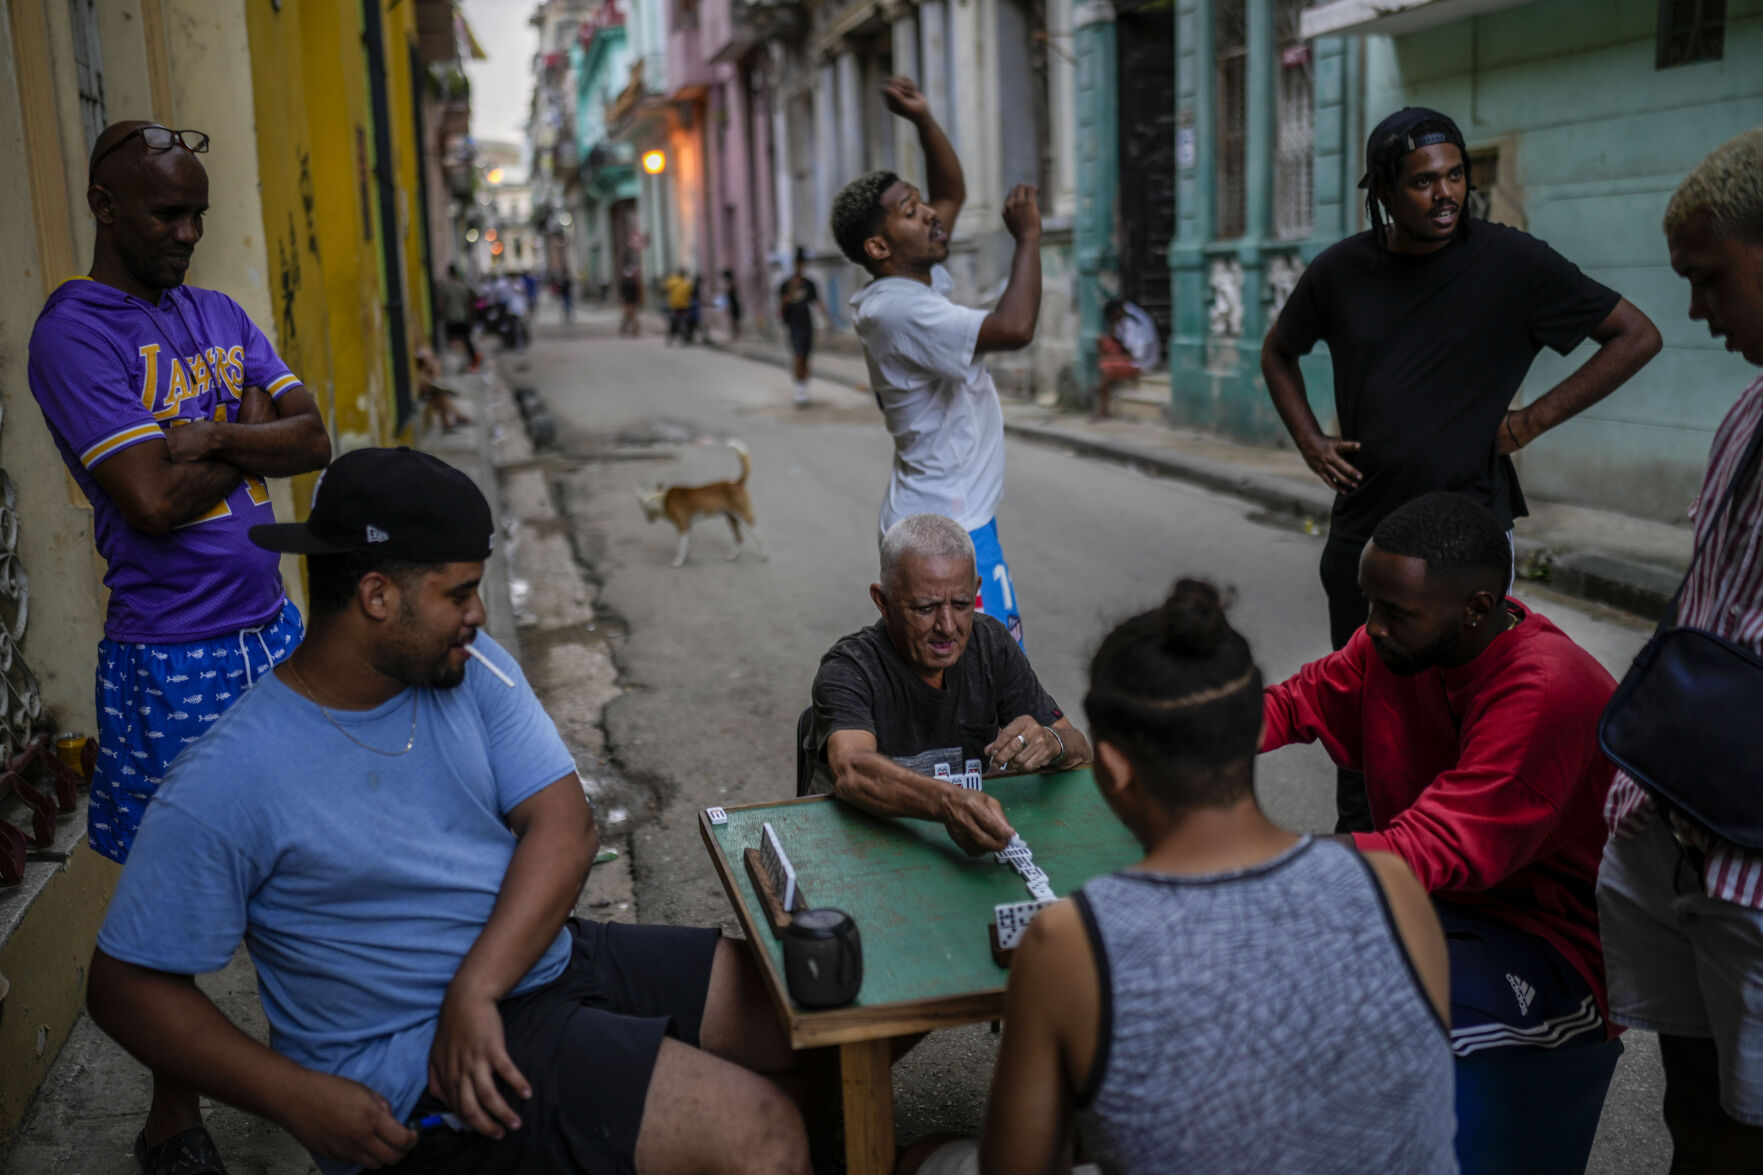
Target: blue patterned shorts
{"points": [[155, 700]]}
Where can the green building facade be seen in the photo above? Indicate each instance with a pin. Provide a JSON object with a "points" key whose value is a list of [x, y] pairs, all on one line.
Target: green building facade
{"points": [[1581, 117]]}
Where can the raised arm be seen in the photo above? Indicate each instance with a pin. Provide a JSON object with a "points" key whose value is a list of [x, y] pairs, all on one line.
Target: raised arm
{"points": [[1627, 340], [1326, 456], [865, 778], [556, 842], [1011, 326], [274, 438], [946, 187], [167, 1024]]}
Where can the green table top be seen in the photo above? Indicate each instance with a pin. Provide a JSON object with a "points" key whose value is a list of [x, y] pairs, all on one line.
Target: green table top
{"points": [[921, 905]]}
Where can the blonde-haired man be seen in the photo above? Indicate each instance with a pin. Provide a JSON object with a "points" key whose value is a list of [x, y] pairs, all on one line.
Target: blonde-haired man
{"points": [[1682, 911]]}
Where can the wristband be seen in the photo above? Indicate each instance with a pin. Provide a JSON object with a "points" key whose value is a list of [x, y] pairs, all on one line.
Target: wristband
{"points": [[1061, 756]]}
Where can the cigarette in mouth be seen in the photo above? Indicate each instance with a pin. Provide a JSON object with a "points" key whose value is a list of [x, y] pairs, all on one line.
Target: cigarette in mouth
{"points": [[490, 665]]}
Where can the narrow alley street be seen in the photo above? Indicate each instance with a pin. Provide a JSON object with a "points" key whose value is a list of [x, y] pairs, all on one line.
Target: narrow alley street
{"points": [[716, 658]]}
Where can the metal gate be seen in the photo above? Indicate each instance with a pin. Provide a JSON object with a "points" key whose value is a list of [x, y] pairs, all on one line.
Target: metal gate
{"points": [[1147, 157]]}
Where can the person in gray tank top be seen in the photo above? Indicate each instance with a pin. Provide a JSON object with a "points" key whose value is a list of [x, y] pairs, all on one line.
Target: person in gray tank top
{"points": [[1242, 1000]]}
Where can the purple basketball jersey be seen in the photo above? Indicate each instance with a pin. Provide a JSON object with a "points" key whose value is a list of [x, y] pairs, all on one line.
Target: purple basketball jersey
{"points": [[111, 371]]}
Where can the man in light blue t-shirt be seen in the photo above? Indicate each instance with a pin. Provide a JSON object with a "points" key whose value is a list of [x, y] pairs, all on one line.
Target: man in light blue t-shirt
{"points": [[398, 837]]}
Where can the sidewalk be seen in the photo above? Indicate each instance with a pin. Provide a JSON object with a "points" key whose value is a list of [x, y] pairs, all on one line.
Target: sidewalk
{"points": [[85, 1115], [1633, 564]]}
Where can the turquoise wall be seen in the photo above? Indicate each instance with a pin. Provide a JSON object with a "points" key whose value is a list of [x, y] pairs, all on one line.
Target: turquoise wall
{"points": [[1601, 138]]}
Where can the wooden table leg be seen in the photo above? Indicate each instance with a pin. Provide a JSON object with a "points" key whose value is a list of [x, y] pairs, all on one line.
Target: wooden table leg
{"points": [[868, 1082]]}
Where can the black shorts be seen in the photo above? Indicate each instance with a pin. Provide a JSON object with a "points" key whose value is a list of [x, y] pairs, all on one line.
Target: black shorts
{"points": [[457, 330], [587, 1042], [801, 338]]}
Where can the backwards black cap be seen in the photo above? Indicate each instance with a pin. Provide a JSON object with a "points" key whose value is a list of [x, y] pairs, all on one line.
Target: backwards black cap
{"points": [[393, 502], [1395, 137]]}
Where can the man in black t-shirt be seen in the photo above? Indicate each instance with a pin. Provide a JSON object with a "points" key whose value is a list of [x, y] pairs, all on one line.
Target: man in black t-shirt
{"points": [[930, 683], [797, 298], [1432, 321]]}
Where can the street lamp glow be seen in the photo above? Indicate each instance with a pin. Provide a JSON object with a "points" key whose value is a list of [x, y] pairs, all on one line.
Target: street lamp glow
{"points": [[471, 236], [654, 162], [494, 175], [565, 221]]}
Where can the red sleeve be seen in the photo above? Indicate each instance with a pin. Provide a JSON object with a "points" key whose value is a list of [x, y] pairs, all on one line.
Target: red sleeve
{"points": [[1321, 702], [1496, 811]]}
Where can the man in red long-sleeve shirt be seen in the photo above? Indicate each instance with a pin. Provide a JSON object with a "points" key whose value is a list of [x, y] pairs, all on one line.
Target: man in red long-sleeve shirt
{"points": [[1475, 722]]}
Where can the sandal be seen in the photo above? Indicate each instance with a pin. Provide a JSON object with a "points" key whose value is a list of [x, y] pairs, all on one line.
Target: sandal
{"points": [[191, 1152]]}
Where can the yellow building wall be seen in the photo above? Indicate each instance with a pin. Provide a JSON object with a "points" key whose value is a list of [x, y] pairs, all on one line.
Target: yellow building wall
{"points": [[301, 323], [341, 132], [400, 25]]}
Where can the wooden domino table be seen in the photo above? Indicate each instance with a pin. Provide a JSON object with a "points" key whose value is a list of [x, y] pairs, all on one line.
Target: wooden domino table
{"points": [[922, 907]]}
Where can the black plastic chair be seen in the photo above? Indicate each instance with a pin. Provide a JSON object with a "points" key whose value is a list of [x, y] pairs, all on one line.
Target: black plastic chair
{"points": [[804, 757]]}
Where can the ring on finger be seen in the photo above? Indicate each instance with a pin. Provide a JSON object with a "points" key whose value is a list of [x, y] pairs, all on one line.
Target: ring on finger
{"points": [[1022, 741]]}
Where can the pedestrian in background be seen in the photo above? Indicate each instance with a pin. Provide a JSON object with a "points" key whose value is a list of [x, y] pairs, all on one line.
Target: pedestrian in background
{"points": [[1682, 909], [566, 295], [454, 299], [732, 304], [695, 312], [677, 288], [630, 297], [1432, 320], [798, 298], [169, 407], [1127, 350]]}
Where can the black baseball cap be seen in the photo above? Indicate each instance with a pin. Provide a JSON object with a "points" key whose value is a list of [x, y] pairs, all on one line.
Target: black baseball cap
{"points": [[393, 502], [1395, 137]]}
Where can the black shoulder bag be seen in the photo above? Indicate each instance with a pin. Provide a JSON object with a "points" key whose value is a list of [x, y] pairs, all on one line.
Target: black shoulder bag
{"points": [[1687, 720]]}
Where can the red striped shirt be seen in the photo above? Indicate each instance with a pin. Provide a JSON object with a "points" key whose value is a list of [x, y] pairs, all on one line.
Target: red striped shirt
{"points": [[1724, 595]]}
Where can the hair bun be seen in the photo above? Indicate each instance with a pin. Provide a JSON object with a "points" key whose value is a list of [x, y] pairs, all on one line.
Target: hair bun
{"points": [[1193, 619]]}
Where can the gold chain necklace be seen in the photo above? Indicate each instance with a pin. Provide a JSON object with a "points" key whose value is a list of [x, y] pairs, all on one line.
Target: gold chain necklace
{"points": [[308, 690]]}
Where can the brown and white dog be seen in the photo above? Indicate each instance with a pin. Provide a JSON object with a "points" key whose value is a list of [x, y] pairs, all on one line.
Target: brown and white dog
{"points": [[683, 505]]}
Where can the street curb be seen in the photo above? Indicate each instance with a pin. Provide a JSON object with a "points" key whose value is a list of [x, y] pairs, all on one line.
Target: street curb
{"points": [[1275, 493], [1621, 583]]}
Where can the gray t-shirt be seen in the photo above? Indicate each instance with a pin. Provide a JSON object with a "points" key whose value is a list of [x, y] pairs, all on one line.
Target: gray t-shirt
{"points": [[864, 684]]}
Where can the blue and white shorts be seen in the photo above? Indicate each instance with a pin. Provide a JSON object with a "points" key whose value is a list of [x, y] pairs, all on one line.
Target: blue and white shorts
{"points": [[997, 594], [155, 700]]}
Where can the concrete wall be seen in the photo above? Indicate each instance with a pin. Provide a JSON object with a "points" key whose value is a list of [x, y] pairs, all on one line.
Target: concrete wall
{"points": [[1601, 138]]}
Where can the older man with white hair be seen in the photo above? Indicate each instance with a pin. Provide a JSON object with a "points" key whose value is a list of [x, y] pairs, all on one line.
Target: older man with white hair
{"points": [[932, 682]]}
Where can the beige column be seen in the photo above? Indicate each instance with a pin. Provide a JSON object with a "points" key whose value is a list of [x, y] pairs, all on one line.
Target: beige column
{"points": [[828, 165], [783, 170], [1061, 111], [850, 105], [903, 24], [933, 61]]}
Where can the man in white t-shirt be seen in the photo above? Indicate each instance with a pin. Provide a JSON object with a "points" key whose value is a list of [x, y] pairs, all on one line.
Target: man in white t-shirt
{"points": [[926, 353]]}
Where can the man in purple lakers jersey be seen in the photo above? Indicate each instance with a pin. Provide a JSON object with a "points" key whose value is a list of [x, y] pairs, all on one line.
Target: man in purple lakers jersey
{"points": [[170, 408]]}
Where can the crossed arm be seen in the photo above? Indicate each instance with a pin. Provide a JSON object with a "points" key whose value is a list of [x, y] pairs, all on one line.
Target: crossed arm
{"points": [[161, 484], [865, 778], [167, 1023]]}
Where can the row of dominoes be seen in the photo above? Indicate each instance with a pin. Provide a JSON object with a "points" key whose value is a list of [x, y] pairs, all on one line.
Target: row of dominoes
{"points": [[1013, 918], [970, 778], [1019, 857], [778, 869]]}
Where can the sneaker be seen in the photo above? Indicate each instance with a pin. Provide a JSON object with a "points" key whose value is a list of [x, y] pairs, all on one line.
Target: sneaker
{"points": [[190, 1153]]}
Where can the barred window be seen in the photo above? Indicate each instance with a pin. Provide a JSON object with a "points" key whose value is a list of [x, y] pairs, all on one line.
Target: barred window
{"points": [[1295, 118], [1230, 50], [89, 68], [1691, 31]]}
